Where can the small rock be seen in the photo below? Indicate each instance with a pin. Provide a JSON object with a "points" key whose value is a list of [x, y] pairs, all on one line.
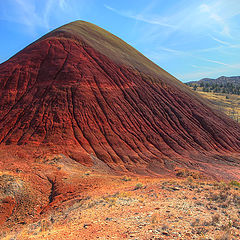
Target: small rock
{"points": [[86, 225]]}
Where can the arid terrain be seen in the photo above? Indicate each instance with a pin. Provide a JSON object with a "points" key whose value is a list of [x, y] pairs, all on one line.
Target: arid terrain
{"points": [[98, 142], [227, 103], [187, 206]]}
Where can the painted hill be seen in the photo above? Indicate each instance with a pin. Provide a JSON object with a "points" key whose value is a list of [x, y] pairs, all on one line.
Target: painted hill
{"points": [[81, 100], [88, 94]]}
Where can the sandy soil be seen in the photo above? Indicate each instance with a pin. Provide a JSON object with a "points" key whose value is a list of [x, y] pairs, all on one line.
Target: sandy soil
{"points": [[130, 207]]}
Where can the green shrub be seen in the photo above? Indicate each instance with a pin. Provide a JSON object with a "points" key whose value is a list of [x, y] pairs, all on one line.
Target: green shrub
{"points": [[126, 179], [235, 183], [138, 186]]}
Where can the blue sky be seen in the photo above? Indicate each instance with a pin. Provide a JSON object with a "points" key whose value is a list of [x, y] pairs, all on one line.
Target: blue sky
{"points": [[191, 39]]}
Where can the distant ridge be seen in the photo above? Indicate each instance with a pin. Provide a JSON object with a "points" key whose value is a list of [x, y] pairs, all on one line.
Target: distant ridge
{"points": [[84, 92], [229, 85], [235, 80]]}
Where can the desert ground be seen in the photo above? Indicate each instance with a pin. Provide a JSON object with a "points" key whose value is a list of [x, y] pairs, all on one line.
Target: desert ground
{"points": [[188, 206]]}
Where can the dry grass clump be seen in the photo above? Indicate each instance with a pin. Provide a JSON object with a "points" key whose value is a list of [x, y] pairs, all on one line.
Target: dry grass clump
{"points": [[196, 222], [14, 187], [165, 227], [155, 218], [235, 184], [224, 236], [117, 198], [219, 196], [229, 104], [215, 219], [111, 200], [87, 173], [138, 186], [126, 179], [200, 230], [45, 225], [236, 199], [236, 223], [184, 173], [222, 186]]}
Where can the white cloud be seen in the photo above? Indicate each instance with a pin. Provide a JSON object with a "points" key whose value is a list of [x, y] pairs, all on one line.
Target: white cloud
{"points": [[29, 13], [48, 8], [62, 4], [218, 40], [204, 8], [196, 19], [155, 20], [216, 17], [200, 67], [217, 62], [226, 70], [170, 50]]}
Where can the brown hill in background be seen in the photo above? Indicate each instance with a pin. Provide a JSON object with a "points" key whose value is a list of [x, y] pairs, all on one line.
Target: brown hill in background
{"points": [[81, 92]]}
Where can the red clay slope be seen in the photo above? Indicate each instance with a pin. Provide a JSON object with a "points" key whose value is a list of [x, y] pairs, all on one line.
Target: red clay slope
{"points": [[89, 94]]}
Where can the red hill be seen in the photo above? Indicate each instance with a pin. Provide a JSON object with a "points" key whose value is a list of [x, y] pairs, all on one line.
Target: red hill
{"points": [[80, 98], [85, 92]]}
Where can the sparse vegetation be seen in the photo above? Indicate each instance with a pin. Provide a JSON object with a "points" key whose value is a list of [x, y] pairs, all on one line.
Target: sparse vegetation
{"points": [[138, 186], [224, 236], [155, 218], [176, 208], [87, 173], [14, 190], [228, 88], [225, 101], [187, 173], [126, 178], [215, 218], [235, 183]]}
